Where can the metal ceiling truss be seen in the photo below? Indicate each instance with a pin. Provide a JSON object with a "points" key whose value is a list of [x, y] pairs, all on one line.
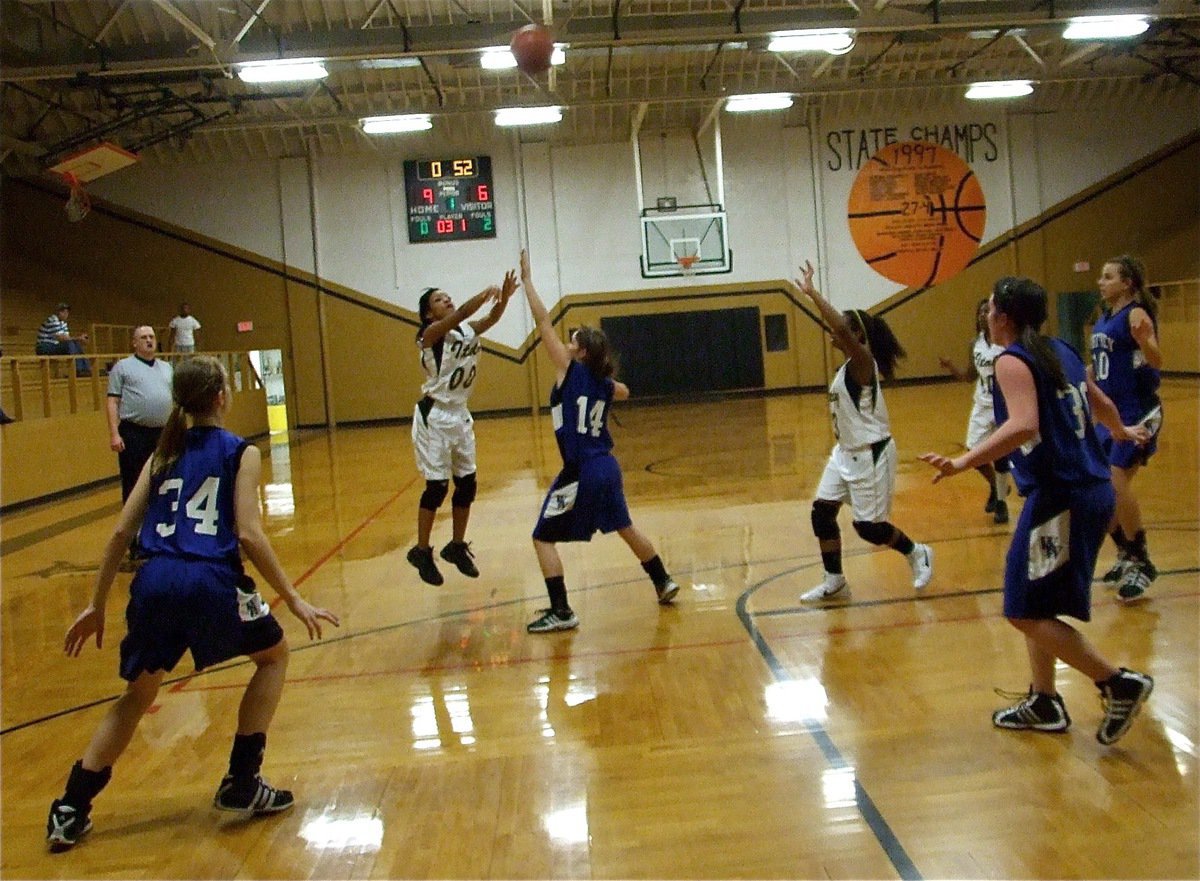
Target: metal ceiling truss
{"points": [[144, 72]]}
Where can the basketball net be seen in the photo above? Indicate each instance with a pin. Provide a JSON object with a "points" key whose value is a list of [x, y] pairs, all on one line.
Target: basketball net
{"points": [[78, 203], [687, 263]]}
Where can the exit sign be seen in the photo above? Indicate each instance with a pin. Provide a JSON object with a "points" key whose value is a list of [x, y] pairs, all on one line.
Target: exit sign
{"points": [[245, 326]]}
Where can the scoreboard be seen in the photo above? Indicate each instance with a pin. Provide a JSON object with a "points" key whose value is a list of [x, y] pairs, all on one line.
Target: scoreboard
{"points": [[450, 199]]}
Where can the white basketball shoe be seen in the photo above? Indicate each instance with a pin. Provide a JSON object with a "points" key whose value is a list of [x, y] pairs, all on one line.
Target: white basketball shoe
{"points": [[921, 561], [832, 586]]}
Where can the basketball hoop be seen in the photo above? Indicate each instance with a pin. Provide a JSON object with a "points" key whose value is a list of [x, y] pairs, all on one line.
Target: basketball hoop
{"points": [[687, 263], [78, 203]]}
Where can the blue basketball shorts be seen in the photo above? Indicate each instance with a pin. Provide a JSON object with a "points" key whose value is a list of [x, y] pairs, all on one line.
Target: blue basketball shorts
{"points": [[1052, 558], [204, 607], [1126, 454], [584, 500]]}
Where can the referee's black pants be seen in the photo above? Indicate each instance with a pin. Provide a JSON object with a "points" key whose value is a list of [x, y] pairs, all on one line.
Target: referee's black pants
{"points": [[140, 441]]}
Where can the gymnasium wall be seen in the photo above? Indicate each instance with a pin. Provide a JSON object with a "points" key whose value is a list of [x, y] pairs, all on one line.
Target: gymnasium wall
{"points": [[314, 251]]}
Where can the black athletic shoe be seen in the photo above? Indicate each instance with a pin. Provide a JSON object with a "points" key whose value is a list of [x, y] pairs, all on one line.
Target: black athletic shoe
{"points": [[65, 826], [1000, 513], [459, 553], [1122, 697], [1117, 572], [257, 798], [1034, 712], [992, 501], [666, 591], [423, 561], [549, 621], [1134, 583]]}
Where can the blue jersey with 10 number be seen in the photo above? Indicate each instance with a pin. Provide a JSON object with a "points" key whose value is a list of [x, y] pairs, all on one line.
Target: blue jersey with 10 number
{"points": [[191, 510], [1065, 450], [1120, 366], [579, 410]]}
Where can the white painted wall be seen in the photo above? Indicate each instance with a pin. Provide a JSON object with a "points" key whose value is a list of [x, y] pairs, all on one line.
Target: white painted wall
{"points": [[786, 192]]}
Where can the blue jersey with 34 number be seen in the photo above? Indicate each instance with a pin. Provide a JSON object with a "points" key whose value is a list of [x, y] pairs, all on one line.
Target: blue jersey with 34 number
{"points": [[191, 510], [579, 410], [1120, 366], [1066, 450]]}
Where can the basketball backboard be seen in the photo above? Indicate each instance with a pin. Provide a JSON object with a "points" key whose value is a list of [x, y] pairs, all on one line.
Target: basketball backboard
{"points": [[689, 231]]}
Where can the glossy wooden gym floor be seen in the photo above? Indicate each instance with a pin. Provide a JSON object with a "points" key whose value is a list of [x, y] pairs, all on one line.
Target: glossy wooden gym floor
{"points": [[735, 734]]}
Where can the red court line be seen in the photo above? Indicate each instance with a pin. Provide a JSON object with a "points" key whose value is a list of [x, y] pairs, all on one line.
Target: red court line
{"points": [[323, 559]]}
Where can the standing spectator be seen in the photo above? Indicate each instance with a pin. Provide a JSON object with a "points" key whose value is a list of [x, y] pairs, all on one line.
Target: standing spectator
{"points": [[183, 330], [862, 466], [1044, 405], [587, 496], [54, 338], [1126, 361], [139, 402], [443, 433], [197, 503]]}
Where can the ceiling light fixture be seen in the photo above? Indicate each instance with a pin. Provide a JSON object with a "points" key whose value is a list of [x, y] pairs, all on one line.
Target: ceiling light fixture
{"points": [[289, 71], [764, 101], [999, 89], [528, 115], [835, 41], [387, 125], [501, 57], [1105, 27]]}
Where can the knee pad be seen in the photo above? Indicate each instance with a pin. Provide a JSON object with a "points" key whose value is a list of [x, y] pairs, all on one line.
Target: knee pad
{"points": [[464, 491], [875, 533], [824, 520], [435, 494]]}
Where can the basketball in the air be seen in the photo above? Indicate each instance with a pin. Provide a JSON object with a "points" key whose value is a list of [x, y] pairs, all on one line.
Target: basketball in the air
{"points": [[916, 213], [532, 46]]}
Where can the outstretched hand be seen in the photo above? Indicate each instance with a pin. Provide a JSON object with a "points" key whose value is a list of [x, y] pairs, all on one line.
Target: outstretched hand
{"points": [[805, 281], [946, 466], [509, 286], [311, 616], [90, 620]]}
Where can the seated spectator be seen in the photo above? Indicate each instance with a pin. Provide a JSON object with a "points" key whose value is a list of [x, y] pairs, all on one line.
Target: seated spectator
{"points": [[54, 338]]}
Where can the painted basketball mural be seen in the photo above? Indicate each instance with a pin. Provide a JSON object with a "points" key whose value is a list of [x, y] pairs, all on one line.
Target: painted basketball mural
{"points": [[916, 213]]}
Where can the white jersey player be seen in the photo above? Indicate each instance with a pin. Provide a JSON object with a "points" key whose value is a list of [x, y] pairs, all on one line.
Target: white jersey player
{"points": [[443, 432], [982, 421], [862, 467]]}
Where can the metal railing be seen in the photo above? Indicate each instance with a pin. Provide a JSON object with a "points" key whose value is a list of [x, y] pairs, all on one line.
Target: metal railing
{"points": [[44, 386]]}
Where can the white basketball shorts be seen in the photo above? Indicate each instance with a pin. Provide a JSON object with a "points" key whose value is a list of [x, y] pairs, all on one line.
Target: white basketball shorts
{"points": [[444, 443], [862, 479], [980, 426]]}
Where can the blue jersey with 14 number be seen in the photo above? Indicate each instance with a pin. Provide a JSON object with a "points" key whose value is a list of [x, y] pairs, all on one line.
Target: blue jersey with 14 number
{"points": [[191, 510], [579, 410], [1120, 366], [1065, 451]]}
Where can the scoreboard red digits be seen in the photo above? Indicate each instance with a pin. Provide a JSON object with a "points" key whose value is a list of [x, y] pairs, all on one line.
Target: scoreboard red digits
{"points": [[449, 199]]}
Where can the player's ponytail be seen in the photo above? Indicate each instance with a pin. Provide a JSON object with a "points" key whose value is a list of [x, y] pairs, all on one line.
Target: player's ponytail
{"points": [[1023, 301], [1134, 271], [597, 355], [423, 310], [882, 343], [194, 390]]}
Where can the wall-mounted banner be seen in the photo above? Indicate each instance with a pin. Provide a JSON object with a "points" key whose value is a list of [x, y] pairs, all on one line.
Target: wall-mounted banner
{"points": [[916, 213]]}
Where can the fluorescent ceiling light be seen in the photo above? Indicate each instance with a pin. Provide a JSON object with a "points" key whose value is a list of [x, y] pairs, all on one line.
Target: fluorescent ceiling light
{"points": [[528, 115], [406, 122], [292, 70], [501, 57], [835, 41], [1105, 27], [766, 101], [999, 89]]}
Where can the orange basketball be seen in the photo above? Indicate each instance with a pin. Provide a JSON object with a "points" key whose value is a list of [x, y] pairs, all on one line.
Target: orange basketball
{"points": [[916, 213], [532, 46]]}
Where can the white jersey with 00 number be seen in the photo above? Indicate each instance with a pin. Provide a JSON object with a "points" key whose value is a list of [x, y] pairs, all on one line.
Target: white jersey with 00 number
{"points": [[450, 367], [858, 423]]}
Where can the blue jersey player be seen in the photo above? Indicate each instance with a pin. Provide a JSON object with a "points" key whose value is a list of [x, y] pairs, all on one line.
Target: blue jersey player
{"points": [[587, 496], [1125, 364], [197, 502], [1044, 401]]}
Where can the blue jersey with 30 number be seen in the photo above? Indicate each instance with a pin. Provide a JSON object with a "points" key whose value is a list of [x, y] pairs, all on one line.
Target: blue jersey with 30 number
{"points": [[1120, 366], [579, 410], [1065, 451], [191, 510]]}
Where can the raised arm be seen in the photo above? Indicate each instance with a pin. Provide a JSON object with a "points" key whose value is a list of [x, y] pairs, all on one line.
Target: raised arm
{"points": [[961, 375], [555, 347], [862, 365], [1142, 329], [258, 547], [438, 329], [499, 305]]}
